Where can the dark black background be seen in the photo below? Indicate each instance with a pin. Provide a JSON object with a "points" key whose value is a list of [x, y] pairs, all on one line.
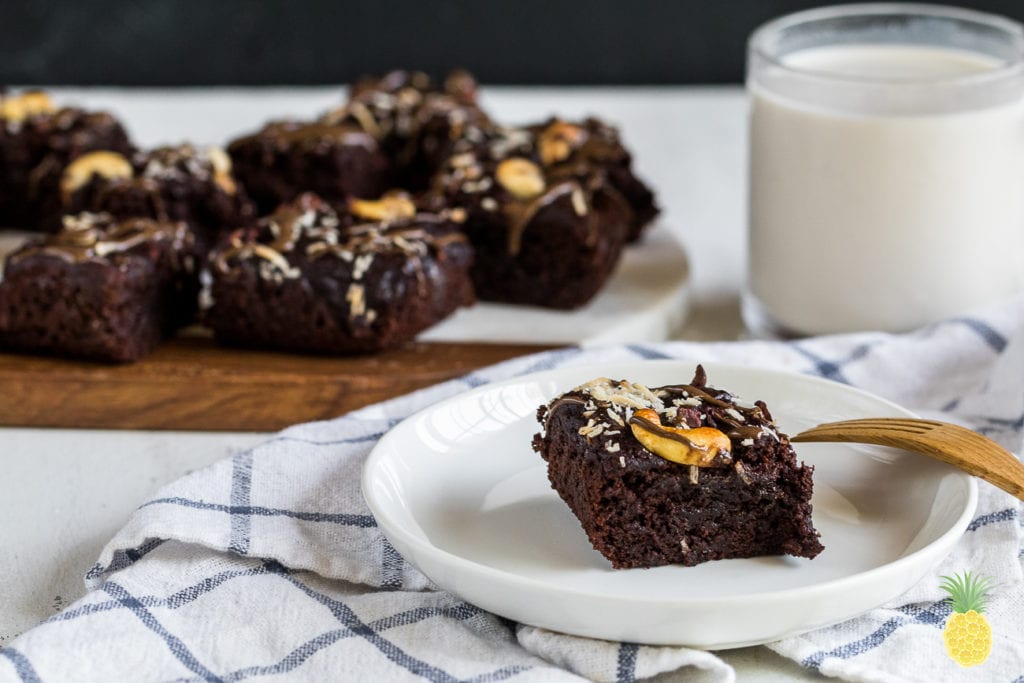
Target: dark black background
{"points": [[218, 42]]}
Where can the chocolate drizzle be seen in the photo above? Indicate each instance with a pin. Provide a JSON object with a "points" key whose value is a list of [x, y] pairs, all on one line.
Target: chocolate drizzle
{"points": [[521, 213], [153, 172], [611, 407], [395, 109], [96, 237], [283, 134], [571, 157], [313, 229], [737, 429], [564, 400], [719, 460]]}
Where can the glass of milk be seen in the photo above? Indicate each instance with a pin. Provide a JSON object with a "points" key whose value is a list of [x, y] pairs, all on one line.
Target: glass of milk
{"points": [[886, 167]]}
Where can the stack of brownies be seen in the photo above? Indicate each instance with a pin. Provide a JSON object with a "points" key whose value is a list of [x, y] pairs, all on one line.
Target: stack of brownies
{"points": [[379, 219]]}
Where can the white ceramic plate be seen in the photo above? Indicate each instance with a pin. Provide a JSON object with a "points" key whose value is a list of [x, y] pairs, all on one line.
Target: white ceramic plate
{"points": [[645, 299], [459, 492]]}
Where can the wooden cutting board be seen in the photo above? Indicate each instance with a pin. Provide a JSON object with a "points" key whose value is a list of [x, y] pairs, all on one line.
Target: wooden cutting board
{"points": [[189, 383]]}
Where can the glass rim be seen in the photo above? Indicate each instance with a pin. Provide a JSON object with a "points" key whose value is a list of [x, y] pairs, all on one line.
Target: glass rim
{"points": [[1009, 69]]}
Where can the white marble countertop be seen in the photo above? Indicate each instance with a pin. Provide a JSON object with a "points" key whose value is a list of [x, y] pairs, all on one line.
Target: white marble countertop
{"points": [[64, 493]]}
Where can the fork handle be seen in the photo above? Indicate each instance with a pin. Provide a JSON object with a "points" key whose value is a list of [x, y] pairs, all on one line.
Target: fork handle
{"points": [[997, 466]]}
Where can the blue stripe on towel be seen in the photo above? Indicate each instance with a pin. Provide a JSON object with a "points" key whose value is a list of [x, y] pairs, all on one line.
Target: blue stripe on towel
{"points": [[365, 438], [832, 369], [646, 352], [855, 648], [392, 564], [992, 518], [626, 670], [344, 614], [174, 601], [241, 498], [124, 558], [933, 615], [298, 656], [22, 666], [175, 645], [994, 339], [344, 519]]}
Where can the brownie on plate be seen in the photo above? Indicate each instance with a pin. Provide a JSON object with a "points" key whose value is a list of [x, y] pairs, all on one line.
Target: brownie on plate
{"points": [[100, 289], [679, 474], [37, 140], [309, 278], [546, 232]]}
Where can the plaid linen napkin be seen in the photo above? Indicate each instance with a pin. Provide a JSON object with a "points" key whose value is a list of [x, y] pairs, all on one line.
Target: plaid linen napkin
{"points": [[269, 565]]}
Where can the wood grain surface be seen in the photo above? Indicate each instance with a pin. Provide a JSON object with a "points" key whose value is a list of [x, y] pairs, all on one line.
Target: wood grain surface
{"points": [[189, 383]]}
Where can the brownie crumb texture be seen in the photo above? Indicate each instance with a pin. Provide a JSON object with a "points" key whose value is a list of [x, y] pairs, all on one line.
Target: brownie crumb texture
{"points": [[100, 289], [721, 481], [312, 279]]}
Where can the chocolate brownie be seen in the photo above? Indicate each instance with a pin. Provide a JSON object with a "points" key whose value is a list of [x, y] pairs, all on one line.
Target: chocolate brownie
{"points": [[36, 141], [174, 183], [311, 279], [99, 289], [287, 158], [394, 131], [679, 474], [545, 232], [418, 124], [574, 148]]}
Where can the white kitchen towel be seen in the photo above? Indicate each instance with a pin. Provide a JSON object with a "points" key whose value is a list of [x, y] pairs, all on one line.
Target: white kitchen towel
{"points": [[269, 565]]}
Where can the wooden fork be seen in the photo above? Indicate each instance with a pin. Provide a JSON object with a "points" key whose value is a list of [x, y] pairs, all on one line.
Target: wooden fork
{"points": [[973, 453]]}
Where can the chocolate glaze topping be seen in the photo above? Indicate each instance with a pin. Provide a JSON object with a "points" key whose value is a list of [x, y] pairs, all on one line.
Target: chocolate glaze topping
{"points": [[521, 213], [308, 228], [153, 167], [287, 133], [610, 407], [570, 158], [396, 107], [96, 237]]}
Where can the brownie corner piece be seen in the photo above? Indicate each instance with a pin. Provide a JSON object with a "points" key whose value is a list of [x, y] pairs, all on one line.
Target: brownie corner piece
{"points": [[310, 278], [680, 474], [100, 289]]}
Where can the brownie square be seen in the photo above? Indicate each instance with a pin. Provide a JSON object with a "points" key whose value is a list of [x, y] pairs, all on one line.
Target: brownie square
{"points": [[311, 279], [36, 141], [543, 235], [172, 183], [286, 158], [100, 289], [573, 148], [738, 491], [418, 124], [394, 131]]}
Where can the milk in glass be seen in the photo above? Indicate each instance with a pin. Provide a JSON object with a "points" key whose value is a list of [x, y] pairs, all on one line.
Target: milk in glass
{"points": [[867, 210]]}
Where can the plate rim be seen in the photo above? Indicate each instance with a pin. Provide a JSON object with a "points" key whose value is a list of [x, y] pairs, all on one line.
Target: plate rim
{"points": [[943, 542]]}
